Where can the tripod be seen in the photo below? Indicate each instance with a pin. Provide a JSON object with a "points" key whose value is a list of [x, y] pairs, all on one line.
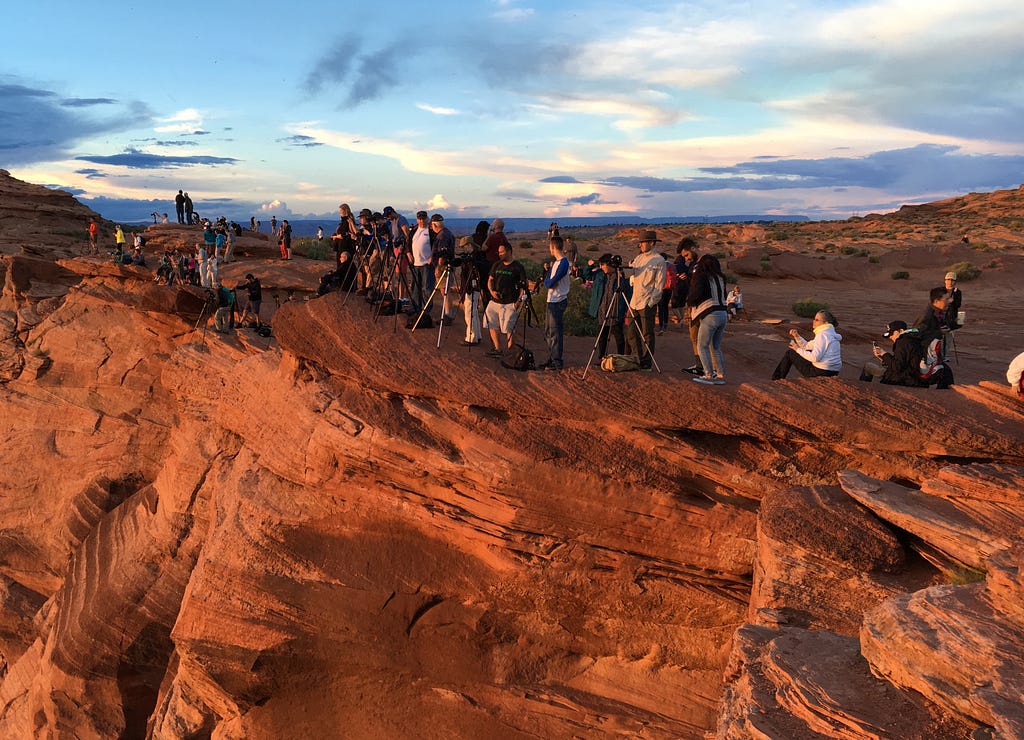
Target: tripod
{"points": [[391, 273], [444, 280], [620, 277], [613, 305], [201, 319], [363, 257]]}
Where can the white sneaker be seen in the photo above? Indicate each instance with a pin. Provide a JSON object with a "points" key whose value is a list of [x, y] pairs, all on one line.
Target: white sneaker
{"points": [[718, 380], [705, 379]]}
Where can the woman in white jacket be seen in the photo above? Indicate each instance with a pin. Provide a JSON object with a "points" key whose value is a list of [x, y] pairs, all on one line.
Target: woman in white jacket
{"points": [[820, 356]]}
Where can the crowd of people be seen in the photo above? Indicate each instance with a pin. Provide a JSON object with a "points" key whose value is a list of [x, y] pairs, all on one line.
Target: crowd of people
{"points": [[413, 268]]}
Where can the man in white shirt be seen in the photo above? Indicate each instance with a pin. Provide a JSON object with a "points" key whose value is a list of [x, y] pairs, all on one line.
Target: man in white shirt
{"points": [[648, 281], [422, 269]]}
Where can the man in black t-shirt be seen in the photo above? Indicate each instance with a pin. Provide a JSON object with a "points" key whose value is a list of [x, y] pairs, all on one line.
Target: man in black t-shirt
{"points": [[505, 286]]}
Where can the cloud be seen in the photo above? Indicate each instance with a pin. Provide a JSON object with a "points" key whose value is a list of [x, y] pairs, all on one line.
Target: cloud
{"points": [[187, 121], [362, 76], [134, 159], [509, 11], [299, 140], [562, 179], [86, 102], [335, 64], [35, 125], [437, 110], [912, 171], [177, 142], [275, 208], [584, 200], [91, 174]]}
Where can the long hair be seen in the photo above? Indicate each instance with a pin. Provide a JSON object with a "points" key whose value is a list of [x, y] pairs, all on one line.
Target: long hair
{"points": [[709, 265], [480, 235]]}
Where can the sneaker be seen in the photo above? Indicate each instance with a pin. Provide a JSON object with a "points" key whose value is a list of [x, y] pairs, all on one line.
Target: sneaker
{"points": [[719, 380], [447, 320], [493, 353], [704, 379], [471, 344], [694, 370], [550, 367]]}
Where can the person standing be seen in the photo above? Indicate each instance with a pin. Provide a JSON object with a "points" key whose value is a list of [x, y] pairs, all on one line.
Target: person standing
{"points": [[608, 288], [252, 224], [119, 240], [572, 253], [189, 210], [254, 291], [319, 234], [273, 224], [469, 294], [286, 240], [954, 298], [505, 284], [422, 271], [494, 240], [94, 235], [556, 280], [179, 207], [686, 262], [706, 299], [648, 280]]}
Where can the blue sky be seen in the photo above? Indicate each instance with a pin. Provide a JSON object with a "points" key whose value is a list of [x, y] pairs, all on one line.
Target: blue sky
{"points": [[514, 108]]}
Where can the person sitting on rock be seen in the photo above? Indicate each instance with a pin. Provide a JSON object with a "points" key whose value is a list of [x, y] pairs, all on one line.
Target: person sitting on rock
{"points": [[902, 366], [734, 303], [932, 324], [820, 357]]}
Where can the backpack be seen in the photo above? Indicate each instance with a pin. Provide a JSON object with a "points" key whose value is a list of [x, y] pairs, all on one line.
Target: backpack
{"points": [[518, 358], [620, 363], [931, 360], [671, 278]]}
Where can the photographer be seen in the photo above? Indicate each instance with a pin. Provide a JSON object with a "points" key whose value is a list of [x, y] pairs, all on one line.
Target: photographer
{"points": [[648, 281], [469, 288], [609, 287], [422, 269], [505, 285], [254, 291], [444, 252], [556, 280]]}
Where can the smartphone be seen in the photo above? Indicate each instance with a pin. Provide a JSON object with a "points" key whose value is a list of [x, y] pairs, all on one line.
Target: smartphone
{"points": [[875, 345]]}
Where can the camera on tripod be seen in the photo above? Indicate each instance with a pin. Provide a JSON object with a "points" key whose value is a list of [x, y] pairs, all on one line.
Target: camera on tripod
{"points": [[456, 260], [615, 261]]}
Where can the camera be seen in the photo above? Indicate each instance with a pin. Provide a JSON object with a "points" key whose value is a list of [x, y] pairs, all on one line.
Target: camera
{"points": [[615, 261], [458, 259]]}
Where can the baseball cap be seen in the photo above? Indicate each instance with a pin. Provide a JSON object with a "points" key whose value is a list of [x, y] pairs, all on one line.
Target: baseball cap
{"points": [[894, 326]]}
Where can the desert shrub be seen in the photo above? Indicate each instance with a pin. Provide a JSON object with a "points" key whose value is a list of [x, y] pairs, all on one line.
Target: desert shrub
{"points": [[576, 320], [849, 249], [901, 275], [965, 271], [730, 278], [312, 248], [873, 259], [807, 307], [525, 244], [962, 575], [863, 253], [766, 263]]}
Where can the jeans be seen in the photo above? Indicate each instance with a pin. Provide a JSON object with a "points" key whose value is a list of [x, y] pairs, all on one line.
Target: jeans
{"points": [[422, 286], [602, 339], [805, 367], [644, 324], [553, 331], [709, 342]]}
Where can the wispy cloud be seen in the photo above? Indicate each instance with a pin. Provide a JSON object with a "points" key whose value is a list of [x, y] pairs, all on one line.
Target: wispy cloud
{"points": [[438, 110], [187, 121], [134, 159]]}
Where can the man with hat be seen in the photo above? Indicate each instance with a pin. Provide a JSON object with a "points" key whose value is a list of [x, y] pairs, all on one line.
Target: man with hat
{"points": [[647, 281], [422, 269], [444, 252], [902, 366], [954, 297]]}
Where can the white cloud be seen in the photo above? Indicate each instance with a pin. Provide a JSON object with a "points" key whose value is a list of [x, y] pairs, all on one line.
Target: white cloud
{"points": [[438, 202], [438, 110], [510, 10], [183, 122]]}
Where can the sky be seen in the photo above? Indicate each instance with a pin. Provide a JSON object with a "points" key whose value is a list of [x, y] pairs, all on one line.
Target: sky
{"points": [[514, 108]]}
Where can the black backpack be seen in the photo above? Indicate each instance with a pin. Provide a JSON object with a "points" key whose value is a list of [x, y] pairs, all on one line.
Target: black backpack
{"points": [[518, 357]]}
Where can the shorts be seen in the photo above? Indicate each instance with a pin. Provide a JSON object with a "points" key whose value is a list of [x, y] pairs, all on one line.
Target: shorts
{"points": [[500, 316]]}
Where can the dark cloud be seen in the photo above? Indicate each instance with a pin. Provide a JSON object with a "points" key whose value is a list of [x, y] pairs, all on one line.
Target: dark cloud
{"points": [[91, 174], [37, 126], [334, 66], [86, 102], [299, 140], [584, 200], [567, 179], [137, 160], [923, 169], [177, 142], [363, 75], [199, 133]]}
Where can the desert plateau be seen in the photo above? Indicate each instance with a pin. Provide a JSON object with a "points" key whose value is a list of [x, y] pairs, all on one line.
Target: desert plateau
{"points": [[346, 530]]}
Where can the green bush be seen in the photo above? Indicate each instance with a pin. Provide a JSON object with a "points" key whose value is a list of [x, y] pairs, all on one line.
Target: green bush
{"points": [[873, 259], [766, 263], [807, 307], [525, 244], [849, 249], [901, 275], [965, 271], [576, 321], [313, 249]]}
